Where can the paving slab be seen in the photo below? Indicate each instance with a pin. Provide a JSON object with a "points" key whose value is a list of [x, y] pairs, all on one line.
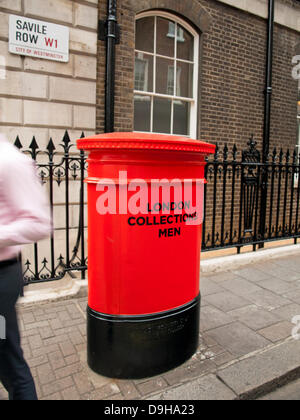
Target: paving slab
{"points": [[293, 296], [238, 339], [274, 269], [279, 286], [267, 299], [289, 262], [288, 312], [212, 317], [255, 317], [227, 301], [289, 392], [241, 287], [208, 388], [208, 286], [220, 276], [264, 371], [277, 332], [251, 273]]}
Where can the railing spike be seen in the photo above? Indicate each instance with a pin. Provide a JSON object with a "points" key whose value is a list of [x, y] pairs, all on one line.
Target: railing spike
{"points": [[66, 139], [216, 155], [51, 147], [294, 157], [18, 144], [234, 152], [281, 155], [225, 152], [34, 147]]}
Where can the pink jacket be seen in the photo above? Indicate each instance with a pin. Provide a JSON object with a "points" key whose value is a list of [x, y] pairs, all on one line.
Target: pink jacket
{"points": [[24, 211]]}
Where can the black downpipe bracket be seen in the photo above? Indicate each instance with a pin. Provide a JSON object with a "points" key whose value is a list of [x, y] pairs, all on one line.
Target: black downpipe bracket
{"points": [[267, 117], [109, 31]]}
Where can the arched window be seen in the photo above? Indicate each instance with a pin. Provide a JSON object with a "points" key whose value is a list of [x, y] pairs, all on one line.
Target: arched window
{"points": [[166, 75]]}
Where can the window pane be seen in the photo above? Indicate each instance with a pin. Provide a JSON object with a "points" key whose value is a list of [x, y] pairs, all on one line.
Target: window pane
{"points": [[181, 118], [143, 77], [184, 80], [185, 44], [144, 40], [164, 76], [162, 115], [165, 37], [142, 113]]}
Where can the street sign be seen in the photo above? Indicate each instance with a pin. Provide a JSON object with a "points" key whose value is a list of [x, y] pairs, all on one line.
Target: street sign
{"points": [[38, 39]]}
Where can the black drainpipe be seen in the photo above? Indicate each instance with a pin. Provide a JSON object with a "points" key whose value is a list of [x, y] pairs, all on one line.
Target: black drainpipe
{"points": [[109, 31], [267, 117], [268, 90]]}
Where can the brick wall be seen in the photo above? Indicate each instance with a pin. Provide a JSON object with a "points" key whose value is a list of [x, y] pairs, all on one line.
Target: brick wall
{"points": [[233, 88], [232, 76], [285, 90], [124, 70], [44, 98]]}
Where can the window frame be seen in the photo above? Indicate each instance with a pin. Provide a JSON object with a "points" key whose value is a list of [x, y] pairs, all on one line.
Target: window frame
{"points": [[193, 101], [146, 64]]}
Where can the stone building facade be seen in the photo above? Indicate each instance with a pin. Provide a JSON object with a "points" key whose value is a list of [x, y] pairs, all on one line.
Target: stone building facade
{"points": [[44, 98], [41, 97]]}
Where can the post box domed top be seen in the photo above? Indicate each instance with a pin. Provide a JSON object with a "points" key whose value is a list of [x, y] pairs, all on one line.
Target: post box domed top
{"points": [[143, 141]]}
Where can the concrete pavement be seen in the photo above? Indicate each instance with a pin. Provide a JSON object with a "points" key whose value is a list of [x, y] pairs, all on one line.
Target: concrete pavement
{"points": [[246, 346], [289, 392]]}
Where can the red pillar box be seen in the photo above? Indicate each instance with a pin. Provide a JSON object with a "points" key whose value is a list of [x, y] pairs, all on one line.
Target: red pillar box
{"points": [[145, 211]]}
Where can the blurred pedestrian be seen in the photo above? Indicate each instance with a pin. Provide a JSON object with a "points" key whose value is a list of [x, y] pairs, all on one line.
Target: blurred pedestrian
{"points": [[24, 219]]}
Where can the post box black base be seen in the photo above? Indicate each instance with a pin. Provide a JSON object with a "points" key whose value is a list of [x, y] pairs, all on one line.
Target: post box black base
{"points": [[135, 347]]}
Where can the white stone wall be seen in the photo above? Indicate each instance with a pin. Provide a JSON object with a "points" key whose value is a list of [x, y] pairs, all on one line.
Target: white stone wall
{"points": [[44, 98], [284, 14]]}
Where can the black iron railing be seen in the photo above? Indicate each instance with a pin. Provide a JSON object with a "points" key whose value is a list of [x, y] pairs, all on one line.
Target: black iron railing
{"points": [[234, 215], [233, 211], [62, 170]]}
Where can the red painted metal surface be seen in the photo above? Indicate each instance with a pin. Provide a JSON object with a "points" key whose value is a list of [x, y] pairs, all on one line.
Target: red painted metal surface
{"points": [[142, 263]]}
